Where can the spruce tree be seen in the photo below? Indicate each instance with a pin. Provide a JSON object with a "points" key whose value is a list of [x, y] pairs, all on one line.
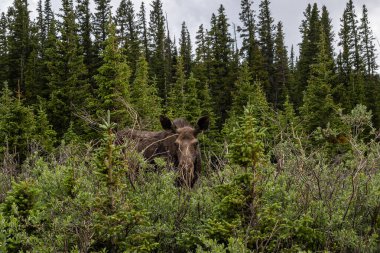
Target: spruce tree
{"points": [[50, 56], [45, 135], [266, 32], [266, 41], [127, 32], [113, 91], [254, 96], [292, 63], [40, 24], [250, 49], [192, 102], [299, 85], [67, 74], [50, 41], [185, 49], [292, 87], [249, 92], [281, 68], [201, 51], [170, 60], [176, 104], [121, 21], [288, 120], [369, 57], [310, 30], [157, 40], [35, 81], [351, 64], [83, 15], [3, 49], [48, 15], [18, 44], [318, 107], [102, 16], [261, 106], [144, 96], [33, 67], [17, 125], [326, 23], [243, 92], [247, 30], [143, 31], [202, 57], [220, 74], [349, 40], [206, 104], [100, 22], [201, 68], [367, 44]]}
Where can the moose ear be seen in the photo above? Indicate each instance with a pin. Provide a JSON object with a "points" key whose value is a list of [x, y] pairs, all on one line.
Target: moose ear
{"points": [[166, 123], [203, 124]]}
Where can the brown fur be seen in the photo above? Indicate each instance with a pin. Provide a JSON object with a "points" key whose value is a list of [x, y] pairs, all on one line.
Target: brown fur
{"points": [[178, 144]]}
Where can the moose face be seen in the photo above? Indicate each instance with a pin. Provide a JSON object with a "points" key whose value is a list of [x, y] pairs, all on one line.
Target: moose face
{"points": [[184, 146]]}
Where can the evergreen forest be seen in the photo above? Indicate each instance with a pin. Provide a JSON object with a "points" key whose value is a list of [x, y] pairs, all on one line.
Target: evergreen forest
{"points": [[290, 161]]}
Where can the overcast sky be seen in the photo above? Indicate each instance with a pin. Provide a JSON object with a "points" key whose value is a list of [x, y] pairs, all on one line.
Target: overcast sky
{"points": [[290, 12]]}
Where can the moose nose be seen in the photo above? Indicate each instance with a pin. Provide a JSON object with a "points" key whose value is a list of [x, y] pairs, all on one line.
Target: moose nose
{"points": [[186, 162], [186, 172]]}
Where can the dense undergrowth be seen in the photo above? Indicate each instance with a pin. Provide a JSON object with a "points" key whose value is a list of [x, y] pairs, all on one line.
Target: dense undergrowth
{"points": [[298, 193], [290, 163]]}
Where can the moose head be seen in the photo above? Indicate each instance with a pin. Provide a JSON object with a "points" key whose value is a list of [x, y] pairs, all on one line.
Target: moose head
{"points": [[183, 147]]}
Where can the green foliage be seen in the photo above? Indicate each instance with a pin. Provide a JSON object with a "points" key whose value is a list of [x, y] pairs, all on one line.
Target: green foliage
{"points": [[206, 103], [18, 44], [17, 125], [185, 49], [310, 32], [67, 75], [254, 98], [265, 29], [100, 23], [279, 174], [2, 233], [318, 107], [244, 92], [367, 44], [349, 40], [288, 121], [45, 136], [176, 100], [281, 68], [113, 81], [20, 126], [18, 209], [314, 200], [250, 44], [220, 71], [144, 96], [127, 32], [246, 147], [234, 245], [193, 103], [360, 121], [156, 47]]}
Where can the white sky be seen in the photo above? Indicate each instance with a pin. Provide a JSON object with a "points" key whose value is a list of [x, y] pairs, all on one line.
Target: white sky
{"points": [[290, 12]]}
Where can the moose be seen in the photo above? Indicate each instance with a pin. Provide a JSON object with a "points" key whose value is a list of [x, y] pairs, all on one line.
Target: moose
{"points": [[177, 143]]}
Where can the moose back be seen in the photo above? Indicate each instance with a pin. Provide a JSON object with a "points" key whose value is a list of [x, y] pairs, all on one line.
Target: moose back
{"points": [[177, 143]]}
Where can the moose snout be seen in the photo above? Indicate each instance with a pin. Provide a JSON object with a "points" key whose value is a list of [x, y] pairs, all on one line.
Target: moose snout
{"points": [[186, 168], [187, 163]]}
